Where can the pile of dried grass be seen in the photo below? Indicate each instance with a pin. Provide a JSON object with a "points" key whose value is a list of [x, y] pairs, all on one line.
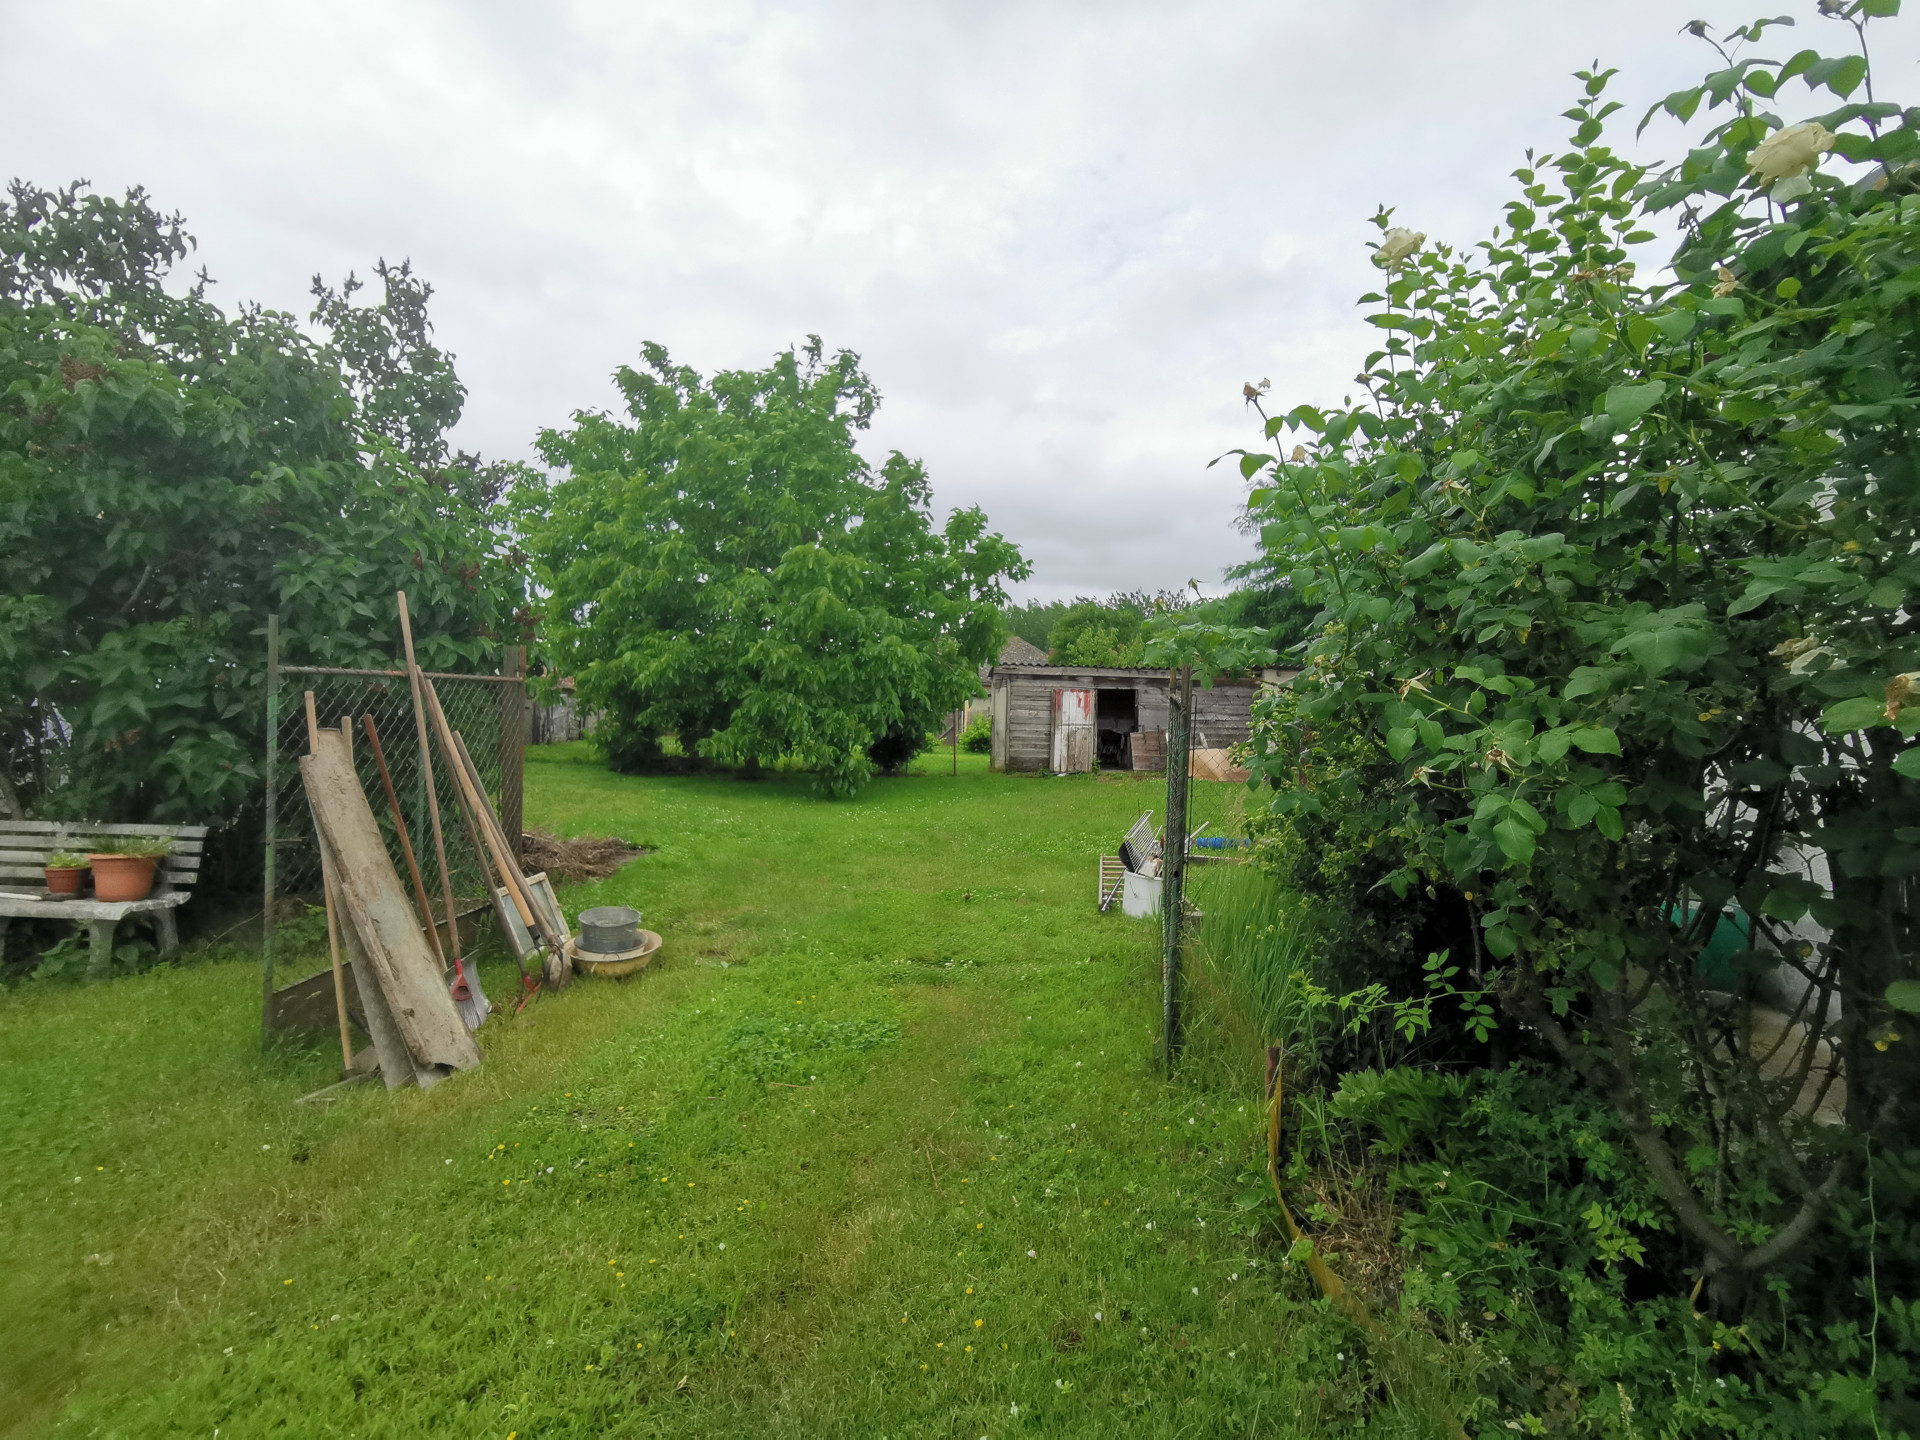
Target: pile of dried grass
{"points": [[570, 861]]}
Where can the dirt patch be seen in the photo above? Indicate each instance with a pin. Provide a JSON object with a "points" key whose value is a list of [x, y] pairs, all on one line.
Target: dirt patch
{"points": [[568, 861]]}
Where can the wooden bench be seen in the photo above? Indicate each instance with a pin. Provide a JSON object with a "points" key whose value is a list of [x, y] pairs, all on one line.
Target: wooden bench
{"points": [[25, 846]]}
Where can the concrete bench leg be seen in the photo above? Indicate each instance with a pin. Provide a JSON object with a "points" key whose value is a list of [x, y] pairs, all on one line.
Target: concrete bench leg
{"points": [[167, 931], [100, 961]]}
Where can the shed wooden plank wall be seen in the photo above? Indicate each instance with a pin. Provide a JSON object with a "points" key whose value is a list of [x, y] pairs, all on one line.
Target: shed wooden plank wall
{"points": [[1222, 715], [1029, 721]]}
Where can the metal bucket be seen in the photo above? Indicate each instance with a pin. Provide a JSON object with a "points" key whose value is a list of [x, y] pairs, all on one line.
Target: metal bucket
{"points": [[610, 929]]}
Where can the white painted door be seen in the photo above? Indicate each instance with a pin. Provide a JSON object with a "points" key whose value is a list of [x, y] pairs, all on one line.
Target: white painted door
{"points": [[1072, 749]]}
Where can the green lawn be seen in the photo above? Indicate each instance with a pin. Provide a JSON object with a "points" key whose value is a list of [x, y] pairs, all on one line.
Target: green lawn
{"points": [[968, 1207]]}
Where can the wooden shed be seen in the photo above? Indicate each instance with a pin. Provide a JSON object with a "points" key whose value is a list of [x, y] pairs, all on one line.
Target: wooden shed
{"points": [[1071, 718]]}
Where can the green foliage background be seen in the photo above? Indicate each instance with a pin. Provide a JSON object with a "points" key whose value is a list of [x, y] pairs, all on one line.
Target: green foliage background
{"points": [[171, 474]]}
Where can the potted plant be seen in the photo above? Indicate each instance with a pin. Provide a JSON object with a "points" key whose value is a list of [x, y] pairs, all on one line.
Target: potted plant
{"points": [[63, 871], [123, 869]]}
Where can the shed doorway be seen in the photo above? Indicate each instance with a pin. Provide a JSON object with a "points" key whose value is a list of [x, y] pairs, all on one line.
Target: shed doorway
{"points": [[1117, 716]]}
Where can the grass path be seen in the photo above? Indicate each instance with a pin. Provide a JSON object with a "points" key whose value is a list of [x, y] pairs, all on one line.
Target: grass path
{"points": [[880, 1151]]}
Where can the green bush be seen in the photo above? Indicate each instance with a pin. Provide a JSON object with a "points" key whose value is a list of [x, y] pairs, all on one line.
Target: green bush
{"points": [[1530, 1235], [977, 738], [1614, 583]]}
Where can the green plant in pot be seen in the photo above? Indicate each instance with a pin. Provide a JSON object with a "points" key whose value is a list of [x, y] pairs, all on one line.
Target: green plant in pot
{"points": [[64, 870], [123, 868]]}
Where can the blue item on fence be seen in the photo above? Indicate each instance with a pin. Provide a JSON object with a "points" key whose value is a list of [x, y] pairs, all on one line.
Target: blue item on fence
{"points": [[1217, 842]]}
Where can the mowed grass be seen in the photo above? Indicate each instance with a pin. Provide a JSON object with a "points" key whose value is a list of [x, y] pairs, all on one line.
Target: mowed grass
{"points": [[879, 1148]]}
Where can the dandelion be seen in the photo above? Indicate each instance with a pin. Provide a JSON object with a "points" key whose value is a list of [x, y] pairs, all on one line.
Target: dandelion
{"points": [[978, 1323]]}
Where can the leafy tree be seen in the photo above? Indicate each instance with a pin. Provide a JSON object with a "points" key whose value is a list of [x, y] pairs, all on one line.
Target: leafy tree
{"points": [[170, 475], [1616, 623], [1033, 622], [1090, 632], [726, 567]]}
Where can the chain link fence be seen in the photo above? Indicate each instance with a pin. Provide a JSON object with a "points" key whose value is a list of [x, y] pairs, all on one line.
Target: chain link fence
{"points": [[489, 712]]}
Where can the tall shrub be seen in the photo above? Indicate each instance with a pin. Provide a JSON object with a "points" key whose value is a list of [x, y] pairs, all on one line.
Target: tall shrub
{"points": [[1616, 578]]}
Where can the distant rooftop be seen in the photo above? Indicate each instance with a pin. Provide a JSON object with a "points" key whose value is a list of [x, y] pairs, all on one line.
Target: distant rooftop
{"points": [[1018, 652]]}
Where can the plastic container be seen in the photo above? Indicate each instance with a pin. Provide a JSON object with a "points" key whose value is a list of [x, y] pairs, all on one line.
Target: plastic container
{"points": [[123, 877], [65, 879]]}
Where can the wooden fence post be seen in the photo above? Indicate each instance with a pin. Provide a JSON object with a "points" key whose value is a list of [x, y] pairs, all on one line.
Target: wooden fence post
{"points": [[1173, 868]]}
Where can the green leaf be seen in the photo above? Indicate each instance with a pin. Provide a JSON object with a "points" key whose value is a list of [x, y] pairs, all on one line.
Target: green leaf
{"points": [[1400, 742], [1501, 941], [1529, 816], [1861, 713], [1515, 839], [1552, 745], [1757, 593], [1625, 404], [1595, 739], [1587, 680], [1422, 564], [1607, 821], [1905, 995], [1581, 808], [1907, 763]]}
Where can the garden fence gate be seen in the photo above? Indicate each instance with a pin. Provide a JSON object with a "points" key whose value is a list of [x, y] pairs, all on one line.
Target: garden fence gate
{"points": [[489, 712]]}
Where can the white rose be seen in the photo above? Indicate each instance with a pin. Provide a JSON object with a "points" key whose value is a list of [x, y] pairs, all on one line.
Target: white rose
{"points": [[1398, 247], [1790, 152]]}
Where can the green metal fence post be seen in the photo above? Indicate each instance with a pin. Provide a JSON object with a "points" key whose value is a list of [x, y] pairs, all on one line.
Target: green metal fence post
{"points": [[273, 807], [1173, 866]]}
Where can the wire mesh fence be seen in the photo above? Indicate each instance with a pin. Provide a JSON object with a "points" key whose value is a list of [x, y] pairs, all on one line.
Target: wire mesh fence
{"points": [[488, 712]]}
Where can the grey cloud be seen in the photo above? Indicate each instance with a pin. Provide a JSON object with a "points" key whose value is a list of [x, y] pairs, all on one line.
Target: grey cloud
{"points": [[1062, 235]]}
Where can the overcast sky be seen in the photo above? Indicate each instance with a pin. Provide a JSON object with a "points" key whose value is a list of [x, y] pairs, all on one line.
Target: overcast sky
{"points": [[1061, 235]]}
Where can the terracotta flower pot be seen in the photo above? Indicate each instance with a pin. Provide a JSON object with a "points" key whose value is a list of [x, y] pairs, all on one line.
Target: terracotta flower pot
{"points": [[64, 879], [123, 877]]}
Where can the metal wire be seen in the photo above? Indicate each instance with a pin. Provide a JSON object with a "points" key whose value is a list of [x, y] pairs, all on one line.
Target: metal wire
{"points": [[485, 709]]}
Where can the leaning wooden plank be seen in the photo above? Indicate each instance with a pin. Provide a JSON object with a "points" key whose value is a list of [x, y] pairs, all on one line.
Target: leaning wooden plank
{"points": [[397, 1065], [378, 909]]}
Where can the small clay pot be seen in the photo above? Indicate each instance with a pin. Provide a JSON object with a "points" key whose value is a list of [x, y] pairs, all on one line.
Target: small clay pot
{"points": [[123, 877], [64, 879]]}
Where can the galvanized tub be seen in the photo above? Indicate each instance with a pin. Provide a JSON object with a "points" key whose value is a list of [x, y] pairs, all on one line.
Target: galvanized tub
{"points": [[610, 929]]}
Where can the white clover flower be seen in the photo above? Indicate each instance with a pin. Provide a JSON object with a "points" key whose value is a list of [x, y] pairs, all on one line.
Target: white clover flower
{"points": [[1791, 152], [1398, 247]]}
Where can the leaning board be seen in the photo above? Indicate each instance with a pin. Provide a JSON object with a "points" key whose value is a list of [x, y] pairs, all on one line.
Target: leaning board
{"points": [[375, 907]]}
